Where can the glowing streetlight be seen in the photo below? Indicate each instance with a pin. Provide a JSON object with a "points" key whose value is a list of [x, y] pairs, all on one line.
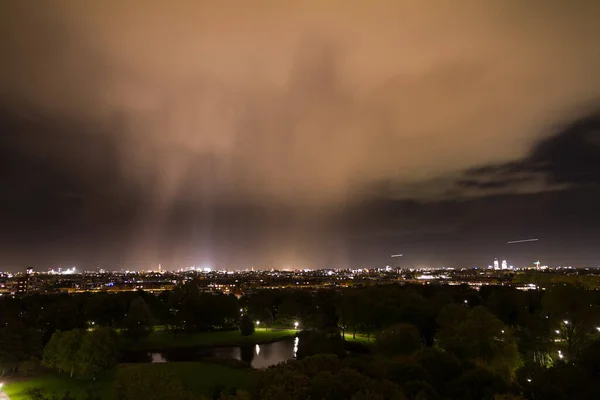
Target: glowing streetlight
{"points": [[257, 322], [296, 325], [598, 327], [560, 355], [566, 322], [557, 332]]}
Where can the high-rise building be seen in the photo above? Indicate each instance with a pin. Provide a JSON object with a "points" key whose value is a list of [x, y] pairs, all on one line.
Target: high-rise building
{"points": [[496, 266], [504, 264], [24, 282]]}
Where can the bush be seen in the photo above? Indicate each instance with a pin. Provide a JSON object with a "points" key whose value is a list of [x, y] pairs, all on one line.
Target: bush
{"points": [[135, 384]]}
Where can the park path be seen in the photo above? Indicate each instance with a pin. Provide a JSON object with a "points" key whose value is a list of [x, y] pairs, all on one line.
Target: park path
{"points": [[3, 396]]}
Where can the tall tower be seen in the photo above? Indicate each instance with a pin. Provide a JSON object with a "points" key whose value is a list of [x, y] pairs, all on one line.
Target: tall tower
{"points": [[496, 266], [504, 264]]}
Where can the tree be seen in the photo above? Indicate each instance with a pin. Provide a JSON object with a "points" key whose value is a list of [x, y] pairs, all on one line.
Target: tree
{"points": [[51, 353], [246, 325], [479, 337], [139, 322], [69, 344], [263, 315], [17, 343], [98, 353], [319, 341], [11, 347], [441, 365], [399, 339], [477, 384], [347, 309]]}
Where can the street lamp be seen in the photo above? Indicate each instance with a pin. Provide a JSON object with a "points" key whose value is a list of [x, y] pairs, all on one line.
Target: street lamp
{"points": [[566, 322], [257, 322], [296, 325]]}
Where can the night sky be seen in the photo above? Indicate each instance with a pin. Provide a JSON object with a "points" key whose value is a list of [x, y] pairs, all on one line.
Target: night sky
{"points": [[298, 134]]}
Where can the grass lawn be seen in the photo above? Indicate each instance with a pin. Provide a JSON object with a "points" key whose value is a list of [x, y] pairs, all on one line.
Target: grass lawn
{"points": [[54, 383], [360, 338], [168, 340], [199, 377]]}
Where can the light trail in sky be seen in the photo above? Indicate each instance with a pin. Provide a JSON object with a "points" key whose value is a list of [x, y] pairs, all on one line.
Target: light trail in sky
{"points": [[396, 255], [522, 241]]}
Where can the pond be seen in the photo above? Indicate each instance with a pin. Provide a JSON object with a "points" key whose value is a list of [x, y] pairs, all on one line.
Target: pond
{"points": [[257, 355]]}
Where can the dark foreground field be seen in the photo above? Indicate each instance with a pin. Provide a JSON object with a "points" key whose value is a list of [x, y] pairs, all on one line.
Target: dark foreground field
{"points": [[200, 378]]}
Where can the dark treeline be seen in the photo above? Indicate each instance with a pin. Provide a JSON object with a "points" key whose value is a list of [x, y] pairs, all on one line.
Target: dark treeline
{"points": [[421, 342]]}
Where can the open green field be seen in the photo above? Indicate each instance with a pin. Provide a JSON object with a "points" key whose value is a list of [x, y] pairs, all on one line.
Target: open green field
{"points": [[54, 383], [200, 378], [167, 340]]}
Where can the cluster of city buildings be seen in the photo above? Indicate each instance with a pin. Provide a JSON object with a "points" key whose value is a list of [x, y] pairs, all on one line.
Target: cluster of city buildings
{"points": [[236, 282]]}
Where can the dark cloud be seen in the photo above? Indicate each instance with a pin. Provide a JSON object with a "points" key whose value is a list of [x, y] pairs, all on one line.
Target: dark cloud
{"points": [[492, 184], [569, 158]]}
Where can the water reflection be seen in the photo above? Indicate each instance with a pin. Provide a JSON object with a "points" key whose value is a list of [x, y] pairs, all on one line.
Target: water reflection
{"points": [[258, 356], [296, 341]]}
